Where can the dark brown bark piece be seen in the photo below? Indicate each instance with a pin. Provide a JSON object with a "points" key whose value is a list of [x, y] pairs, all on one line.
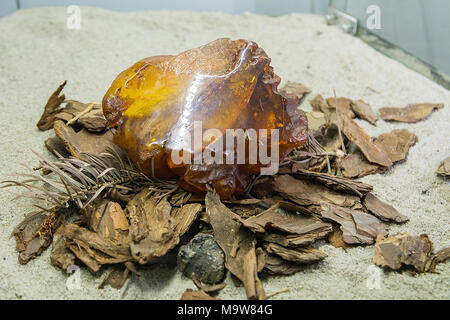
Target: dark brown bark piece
{"points": [[403, 249], [383, 210], [358, 136], [83, 141], [335, 182], [51, 109], [116, 278], [34, 234], [355, 165], [295, 91], [364, 111], [441, 256], [299, 255], [444, 168], [357, 226], [277, 266], [293, 240], [61, 256], [288, 206], [396, 143], [262, 188], [247, 210], [308, 193], [411, 113], [56, 146], [296, 224], [237, 243], [190, 294]]}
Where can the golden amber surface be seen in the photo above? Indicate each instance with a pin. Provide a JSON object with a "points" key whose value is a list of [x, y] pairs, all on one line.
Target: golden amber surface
{"points": [[224, 84]]}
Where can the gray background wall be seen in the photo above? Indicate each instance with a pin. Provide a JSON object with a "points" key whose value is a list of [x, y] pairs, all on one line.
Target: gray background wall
{"points": [[421, 27]]}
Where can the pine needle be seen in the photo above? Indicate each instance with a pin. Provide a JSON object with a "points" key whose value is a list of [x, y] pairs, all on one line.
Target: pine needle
{"points": [[81, 181]]}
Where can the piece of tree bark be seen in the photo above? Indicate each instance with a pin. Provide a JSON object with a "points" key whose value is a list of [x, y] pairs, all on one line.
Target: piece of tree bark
{"points": [[299, 255], [94, 250], [61, 256], [403, 249], [383, 210], [319, 104], [288, 206], [295, 224], [293, 240], [357, 226], [106, 242], [441, 256], [93, 121], [343, 104], [190, 294], [238, 244], [412, 113], [358, 136], [34, 234], [295, 91], [328, 107], [335, 182], [355, 165], [108, 220], [51, 109], [56, 146], [278, 266], [307, 193], [83, 141], [444, 168], [115, 278], [364, 111], [396, 144], [156, 228]]}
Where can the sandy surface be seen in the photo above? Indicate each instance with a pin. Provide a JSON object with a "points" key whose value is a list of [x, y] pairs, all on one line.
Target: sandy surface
{"points": [[38, 52]]}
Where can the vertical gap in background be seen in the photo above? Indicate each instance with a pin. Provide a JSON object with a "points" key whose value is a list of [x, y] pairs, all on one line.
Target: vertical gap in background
{"points": [[18, 4]]}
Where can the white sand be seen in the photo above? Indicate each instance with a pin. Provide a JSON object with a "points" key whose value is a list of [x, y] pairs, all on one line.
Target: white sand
{"points": [[38, 52]]}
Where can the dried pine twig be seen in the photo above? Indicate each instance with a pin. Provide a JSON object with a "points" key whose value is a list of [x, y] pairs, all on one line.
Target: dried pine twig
{"points": [[339, 122], [82, 113], [82, 180]]}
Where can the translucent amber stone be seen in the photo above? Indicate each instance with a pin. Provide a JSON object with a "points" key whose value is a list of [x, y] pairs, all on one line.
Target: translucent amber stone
{"points": [[224, 84]]}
